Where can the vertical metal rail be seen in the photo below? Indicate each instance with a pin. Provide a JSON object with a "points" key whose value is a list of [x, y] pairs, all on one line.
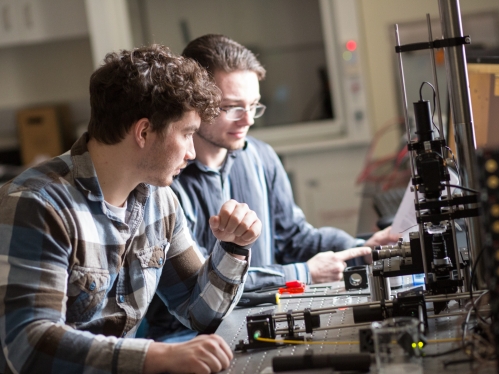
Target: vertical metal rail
{"points": [[458, 87], [443, 150], [408, 130]]}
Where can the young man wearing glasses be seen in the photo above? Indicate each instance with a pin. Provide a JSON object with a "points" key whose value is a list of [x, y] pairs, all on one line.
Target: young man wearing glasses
{"points": [[229, 164]]}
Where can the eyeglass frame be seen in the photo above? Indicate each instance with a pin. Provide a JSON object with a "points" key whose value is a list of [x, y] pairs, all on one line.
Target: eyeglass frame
{"points": [[255, 108]]}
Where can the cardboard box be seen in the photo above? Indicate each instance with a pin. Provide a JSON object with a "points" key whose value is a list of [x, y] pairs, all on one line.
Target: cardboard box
{"points": [[484, 96], [41, 132]]}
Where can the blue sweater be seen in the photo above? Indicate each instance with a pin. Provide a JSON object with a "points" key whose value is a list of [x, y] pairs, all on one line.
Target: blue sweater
{"points": [[255, 175]]}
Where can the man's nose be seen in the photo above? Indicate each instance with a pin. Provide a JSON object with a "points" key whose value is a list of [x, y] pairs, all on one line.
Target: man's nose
{"points": [[247, 119], [190, 154]]}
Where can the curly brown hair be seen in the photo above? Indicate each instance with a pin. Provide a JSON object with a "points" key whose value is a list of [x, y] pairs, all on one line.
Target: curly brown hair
{"points": [[148, 82], [218, 52]]}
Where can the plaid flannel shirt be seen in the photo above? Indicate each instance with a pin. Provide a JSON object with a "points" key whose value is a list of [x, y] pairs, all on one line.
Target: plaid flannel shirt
{"points": [[75, 279]]}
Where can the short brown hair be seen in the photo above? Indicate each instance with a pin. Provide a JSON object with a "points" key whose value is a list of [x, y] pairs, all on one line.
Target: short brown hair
{"points": [[218, 52], [148, 82]]}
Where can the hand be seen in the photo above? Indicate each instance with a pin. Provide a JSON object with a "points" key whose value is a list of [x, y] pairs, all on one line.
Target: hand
{"points": [[236, 223], [382, 237], [202, 355], [328, 266]]}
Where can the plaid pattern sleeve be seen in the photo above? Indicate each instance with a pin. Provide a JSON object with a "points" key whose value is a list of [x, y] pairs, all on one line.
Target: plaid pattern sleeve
{"points": [[76, 280]]}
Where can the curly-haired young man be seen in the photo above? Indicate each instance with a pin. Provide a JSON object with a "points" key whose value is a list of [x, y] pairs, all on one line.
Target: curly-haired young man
{"points": [[90, 236]]}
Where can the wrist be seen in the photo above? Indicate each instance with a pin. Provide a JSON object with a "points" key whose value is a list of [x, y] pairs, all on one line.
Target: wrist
{"points": [[235, 249], [154, 361]]}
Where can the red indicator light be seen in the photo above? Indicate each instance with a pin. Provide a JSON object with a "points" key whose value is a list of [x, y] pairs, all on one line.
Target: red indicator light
{"points": [[351, 45]]}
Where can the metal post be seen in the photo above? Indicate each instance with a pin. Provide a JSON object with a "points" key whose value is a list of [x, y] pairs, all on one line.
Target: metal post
{"points": [[458, 87], [408, 129], [442, 135]]}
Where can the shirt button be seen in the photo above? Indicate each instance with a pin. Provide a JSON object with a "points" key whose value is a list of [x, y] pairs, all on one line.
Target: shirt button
{"points": [[121, 298], [160, 261], [92, 286]]}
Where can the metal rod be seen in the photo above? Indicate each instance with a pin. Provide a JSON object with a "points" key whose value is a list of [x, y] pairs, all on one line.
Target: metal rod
{"points": [[435, 80], [443, 150], [404, 92], [318, 295], [408, 129], [326, 328], [279, 317], [328, 309], [458, 86], [435, 316], [457, 314]]}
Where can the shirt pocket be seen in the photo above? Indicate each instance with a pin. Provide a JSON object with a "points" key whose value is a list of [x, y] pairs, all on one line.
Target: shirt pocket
{"points": [[152, 260], [87, 289]]}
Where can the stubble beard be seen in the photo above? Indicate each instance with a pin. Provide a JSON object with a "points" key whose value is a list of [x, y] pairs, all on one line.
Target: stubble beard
{"points": [[220, 144], [155, 171]]}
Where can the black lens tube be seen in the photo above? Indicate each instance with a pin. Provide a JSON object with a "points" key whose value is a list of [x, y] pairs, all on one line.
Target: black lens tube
{"points": [[338, 362], [422, 115]]}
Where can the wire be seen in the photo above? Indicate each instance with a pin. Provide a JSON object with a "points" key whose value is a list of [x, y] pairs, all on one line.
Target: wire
{"points": [[461, 187], [371, 165], [443, 353], [482, 349], [285, 341], [447, 340], [457, 362], [472, 278], [391, 178], [434, 100], [410, 227]]}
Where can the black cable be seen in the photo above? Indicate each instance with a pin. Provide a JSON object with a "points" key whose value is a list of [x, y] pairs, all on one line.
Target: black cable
{"points": [[463, 361], [473, 307], [408, 228], [461, 187], [434, 101], [454, 350], [472, 275], [457, 362]]}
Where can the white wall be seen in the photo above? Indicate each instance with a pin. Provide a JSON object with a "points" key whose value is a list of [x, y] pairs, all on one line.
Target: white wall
{"points": [[38, 74], [324, 185], [45, 72]]}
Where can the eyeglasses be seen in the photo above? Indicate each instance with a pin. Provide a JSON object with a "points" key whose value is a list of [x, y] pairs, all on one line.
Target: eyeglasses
{"points": [[236, 113]]}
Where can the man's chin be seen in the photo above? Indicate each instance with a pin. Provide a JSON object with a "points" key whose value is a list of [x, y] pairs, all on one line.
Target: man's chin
{"points": [[163, 182], [233, 146]]}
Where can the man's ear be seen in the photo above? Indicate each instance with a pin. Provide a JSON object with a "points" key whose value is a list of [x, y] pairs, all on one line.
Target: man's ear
{"points": [[141, 131]]}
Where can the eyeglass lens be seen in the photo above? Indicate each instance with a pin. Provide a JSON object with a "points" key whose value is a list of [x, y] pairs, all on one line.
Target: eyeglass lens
{"points": [[238, 113]]}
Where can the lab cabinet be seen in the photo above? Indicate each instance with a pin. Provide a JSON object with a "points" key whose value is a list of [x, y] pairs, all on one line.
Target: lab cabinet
{"points": [[324, 185], [32, 21]]}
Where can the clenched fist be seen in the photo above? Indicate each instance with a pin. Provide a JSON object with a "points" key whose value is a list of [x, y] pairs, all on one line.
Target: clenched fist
{"points": [[236, 223]]}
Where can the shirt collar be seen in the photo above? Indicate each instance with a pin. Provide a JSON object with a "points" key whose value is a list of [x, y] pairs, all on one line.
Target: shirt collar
{"points": [[231, 154]]}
